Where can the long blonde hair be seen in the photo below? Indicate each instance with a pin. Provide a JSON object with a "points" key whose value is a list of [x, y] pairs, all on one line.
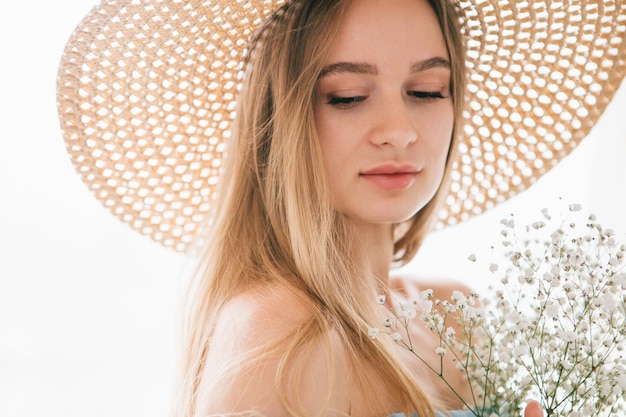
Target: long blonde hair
{"points": [[273, 221]]}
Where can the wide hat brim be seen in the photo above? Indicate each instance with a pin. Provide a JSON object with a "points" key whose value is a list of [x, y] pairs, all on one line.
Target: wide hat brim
{"points": [[147, 92]]}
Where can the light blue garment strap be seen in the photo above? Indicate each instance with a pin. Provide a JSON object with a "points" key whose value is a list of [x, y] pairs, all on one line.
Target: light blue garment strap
{"points": [[458, 413]]}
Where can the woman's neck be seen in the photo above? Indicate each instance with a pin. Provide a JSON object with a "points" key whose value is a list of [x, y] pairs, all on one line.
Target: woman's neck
{"points": [[373, 245]]}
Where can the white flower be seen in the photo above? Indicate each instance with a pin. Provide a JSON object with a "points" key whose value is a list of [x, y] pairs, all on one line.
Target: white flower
{"points": [[459, 298], [426, 294], [538, 225], [575, 207], [620, 279], [514, 317], [380, 299], [510, 223], [457, 295], [567, 365], [553, 309], [519, 351], [608, 303], [450, 332], [409, 313], [396, 337], [440, 351], [424, 306], [373, 332], [493, 267], [471, 313], [472, 258], [407, 310], [567, 336]]}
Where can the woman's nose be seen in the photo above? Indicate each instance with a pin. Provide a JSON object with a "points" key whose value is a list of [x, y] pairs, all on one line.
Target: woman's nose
{"points": [[395, 126]]}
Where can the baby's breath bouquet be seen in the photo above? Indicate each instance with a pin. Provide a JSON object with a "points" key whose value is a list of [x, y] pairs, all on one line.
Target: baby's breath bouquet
{"points": [[553, 330]]}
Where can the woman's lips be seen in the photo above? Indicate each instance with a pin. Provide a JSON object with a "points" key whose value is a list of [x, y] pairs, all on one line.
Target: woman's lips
{"points": [[391, 177]]}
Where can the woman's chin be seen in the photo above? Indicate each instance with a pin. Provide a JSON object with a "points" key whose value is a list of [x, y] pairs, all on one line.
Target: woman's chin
{"points": [[377, 210], [389, 216]]}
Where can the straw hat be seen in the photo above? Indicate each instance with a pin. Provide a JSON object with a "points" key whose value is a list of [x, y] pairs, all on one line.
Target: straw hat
{"points": [[147, 90]]}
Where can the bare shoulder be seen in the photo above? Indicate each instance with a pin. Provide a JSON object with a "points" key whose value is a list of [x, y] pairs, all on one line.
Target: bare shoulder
{"points": [[244, 363], [259, 315]]}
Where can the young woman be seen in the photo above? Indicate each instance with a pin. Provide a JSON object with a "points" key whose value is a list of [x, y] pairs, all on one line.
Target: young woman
{"points": [[338, 163], [333, 173]]}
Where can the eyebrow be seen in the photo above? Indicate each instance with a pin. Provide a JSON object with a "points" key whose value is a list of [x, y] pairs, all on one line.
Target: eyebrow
{"points": [[436, 62], [365, 68], [354, 67]]}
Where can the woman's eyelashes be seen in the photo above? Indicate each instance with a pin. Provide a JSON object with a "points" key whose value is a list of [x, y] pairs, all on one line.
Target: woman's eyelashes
{"points": [[427, 95], [345, 102]]}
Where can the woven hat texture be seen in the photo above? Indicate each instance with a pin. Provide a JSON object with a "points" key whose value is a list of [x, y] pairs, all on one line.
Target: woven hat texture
{"points": [[147, 92]]}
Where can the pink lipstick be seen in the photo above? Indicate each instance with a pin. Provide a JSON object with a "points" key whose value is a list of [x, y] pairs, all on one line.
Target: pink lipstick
{"points": [[391, 177]]}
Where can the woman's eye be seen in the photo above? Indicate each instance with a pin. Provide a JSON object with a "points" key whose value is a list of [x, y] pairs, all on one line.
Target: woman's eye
{"points": [[427, 95], [345, 102]]}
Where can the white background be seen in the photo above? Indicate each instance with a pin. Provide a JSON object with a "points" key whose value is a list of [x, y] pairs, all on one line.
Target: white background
{"points": [[88, 307]]}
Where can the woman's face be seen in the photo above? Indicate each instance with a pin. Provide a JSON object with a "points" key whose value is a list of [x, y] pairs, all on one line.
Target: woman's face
{"points": [[383, 110]]}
